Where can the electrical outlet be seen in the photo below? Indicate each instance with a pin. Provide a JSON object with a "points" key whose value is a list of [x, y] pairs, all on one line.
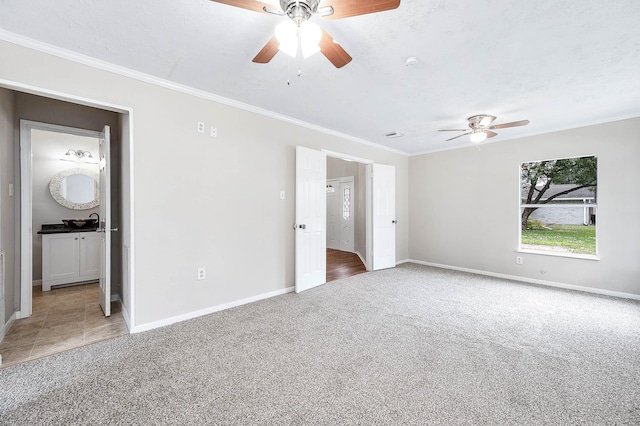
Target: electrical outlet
{"points": [[214, 132], [201, 274], [200, 127], [519, 260]]}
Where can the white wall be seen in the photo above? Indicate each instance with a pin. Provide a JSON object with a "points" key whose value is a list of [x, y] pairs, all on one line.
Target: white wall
{"points": [[47, 149], [464, 207], [200, 201], [7, 203]]}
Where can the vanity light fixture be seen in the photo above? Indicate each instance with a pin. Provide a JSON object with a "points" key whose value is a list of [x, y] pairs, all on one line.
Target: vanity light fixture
{"points": [[79, 153]]}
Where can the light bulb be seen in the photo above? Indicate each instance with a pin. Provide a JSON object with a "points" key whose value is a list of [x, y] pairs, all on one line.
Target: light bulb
{"points": [[310, 35], [478, 136], [287, 36]]}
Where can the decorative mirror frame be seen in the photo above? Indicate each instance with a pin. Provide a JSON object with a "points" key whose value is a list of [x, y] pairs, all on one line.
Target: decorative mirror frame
{"points": [[54, 189]]}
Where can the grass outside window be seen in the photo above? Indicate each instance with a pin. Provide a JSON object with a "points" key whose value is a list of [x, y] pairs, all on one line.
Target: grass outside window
{"points": [[576, 239]]}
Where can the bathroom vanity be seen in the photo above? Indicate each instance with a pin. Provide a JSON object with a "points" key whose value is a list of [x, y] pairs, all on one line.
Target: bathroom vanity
{"points": [[69, 255]]}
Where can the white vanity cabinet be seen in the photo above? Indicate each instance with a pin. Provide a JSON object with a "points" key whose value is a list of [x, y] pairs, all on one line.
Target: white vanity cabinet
{"points": [[69, 258]]}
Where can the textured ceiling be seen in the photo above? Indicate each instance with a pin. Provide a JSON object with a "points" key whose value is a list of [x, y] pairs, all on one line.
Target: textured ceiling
{"points": [[560, 64]]}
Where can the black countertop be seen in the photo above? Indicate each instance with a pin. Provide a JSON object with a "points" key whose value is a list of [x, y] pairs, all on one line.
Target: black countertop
{"points": [[60, 228]]}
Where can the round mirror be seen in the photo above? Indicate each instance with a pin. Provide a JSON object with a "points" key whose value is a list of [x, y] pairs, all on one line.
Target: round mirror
{"points": [[75, 189]]}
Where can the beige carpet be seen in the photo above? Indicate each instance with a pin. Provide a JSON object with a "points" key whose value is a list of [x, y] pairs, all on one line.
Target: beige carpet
{"points": [[412, 345]]}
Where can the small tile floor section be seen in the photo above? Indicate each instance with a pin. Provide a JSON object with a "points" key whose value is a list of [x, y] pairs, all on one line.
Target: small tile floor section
{"points": [[63, 319]]}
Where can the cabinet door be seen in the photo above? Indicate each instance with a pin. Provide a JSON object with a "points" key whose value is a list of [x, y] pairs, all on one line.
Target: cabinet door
{"points": [[60, 257], [89, 255]]}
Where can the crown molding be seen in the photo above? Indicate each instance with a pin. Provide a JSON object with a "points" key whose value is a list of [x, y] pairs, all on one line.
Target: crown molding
{"points": [[147, 78]]}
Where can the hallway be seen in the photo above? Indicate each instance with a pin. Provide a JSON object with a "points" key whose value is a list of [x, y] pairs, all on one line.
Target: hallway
{"points": [[343, 264]]}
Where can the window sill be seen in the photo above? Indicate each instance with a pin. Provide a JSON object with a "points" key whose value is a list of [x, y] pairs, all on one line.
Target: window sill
{"points": [[569, 255]]}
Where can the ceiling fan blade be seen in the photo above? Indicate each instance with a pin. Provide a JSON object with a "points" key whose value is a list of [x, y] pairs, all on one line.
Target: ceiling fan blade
{"points": [[490, 134], [256, 6], [486, 120], [268, 51], [459, 136], [333, 51], [347, 8], [512, 124], [453, 130]]}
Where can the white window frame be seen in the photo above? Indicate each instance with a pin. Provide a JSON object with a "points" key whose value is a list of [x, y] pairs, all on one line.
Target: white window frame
{"points": [[552, 205]]}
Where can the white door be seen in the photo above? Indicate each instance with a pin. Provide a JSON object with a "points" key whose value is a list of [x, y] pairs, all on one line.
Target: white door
{"points": [[311, 211], [105, 222], [384, 217], [333, 219]]}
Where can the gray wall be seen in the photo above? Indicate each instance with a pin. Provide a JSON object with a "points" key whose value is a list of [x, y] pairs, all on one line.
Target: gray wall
{"points": [[7, 203], [194, 195], [464, 207]]}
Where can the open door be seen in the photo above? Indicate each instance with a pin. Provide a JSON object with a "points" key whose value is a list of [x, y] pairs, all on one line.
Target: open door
{"points": [[310, 226], [105, 222], [384, 216]]}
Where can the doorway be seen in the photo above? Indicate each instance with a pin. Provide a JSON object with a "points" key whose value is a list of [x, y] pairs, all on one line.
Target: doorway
{"points": [[36, 104]]}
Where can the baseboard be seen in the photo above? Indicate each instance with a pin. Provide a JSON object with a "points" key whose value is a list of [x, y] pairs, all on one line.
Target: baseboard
{"points": [[400, 262], [7, 326], [361, 258], [36, 283], [532, 280], [207, 311]]}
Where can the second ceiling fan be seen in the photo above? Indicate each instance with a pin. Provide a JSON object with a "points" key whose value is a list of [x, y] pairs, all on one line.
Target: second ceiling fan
{"points": [[299, 35]]}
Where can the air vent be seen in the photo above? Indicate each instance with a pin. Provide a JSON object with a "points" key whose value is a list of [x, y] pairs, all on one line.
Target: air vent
{"points": [[393, 135]]}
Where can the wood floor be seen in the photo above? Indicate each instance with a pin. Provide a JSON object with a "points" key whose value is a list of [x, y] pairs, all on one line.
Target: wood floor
{"points": [[342, 264]]}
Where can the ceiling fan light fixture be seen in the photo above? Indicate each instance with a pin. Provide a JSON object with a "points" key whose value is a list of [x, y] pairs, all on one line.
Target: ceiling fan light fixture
{"points": [[310, 35], [307, 36], [478, 136]]}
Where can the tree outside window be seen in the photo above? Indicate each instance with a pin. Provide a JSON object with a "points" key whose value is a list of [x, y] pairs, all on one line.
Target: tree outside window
{"points": [[558, 205]]}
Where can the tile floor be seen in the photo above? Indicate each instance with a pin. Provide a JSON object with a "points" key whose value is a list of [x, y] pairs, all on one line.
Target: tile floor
{"points": [[62, 319]]}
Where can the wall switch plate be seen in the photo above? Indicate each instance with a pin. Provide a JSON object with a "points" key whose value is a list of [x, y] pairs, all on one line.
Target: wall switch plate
{"points": [[214, 132], [519, 260], [282, 195], [201, 274], [200, 127]]}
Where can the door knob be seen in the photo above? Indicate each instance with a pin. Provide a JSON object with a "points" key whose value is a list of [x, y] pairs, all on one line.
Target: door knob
{"points": [[394, 221], [303, 226]]}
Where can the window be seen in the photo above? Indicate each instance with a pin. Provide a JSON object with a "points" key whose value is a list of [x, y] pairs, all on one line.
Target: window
{"points": [[558, 205], [346, 204]]}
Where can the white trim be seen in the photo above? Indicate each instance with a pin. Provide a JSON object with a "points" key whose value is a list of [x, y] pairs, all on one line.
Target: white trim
{"points": [[26, 203], [127, 113], [207, 311], [559, 254], [36, 283], [126, 72], [361, 259], [7, 326], [346, 157], [400, 262], [125, 314], [533, 281]]}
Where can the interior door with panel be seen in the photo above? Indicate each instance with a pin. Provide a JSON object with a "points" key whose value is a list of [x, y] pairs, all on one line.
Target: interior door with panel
{"points": [[384, 216], [311, 212], [333, 210], [105, 222]]}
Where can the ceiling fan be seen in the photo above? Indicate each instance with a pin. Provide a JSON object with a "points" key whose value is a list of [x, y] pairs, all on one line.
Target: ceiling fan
{"points": [[481, 127], [299, 35]]}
